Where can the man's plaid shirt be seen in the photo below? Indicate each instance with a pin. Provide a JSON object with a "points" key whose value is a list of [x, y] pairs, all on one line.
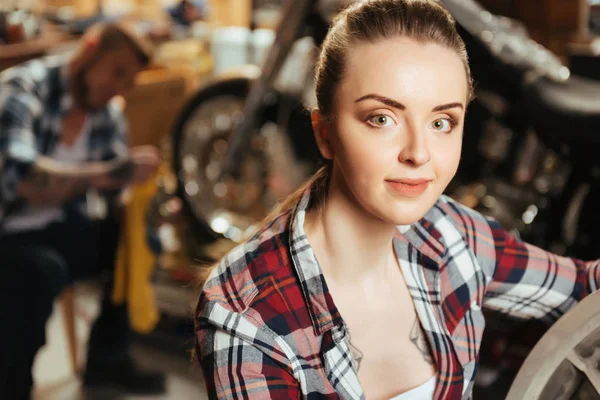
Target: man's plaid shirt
{"points": [[267, 327], [34, 98]]}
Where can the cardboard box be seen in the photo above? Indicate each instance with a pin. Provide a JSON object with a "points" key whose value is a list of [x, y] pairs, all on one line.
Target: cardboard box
{"points": [[153, 105], [230, 12]]}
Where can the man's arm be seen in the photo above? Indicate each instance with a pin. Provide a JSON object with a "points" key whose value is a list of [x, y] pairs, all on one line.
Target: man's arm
{"points": [[50, 181], [18, 153]]}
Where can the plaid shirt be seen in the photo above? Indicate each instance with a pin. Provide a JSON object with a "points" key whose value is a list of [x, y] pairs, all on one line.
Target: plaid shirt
{"points": [[267, 327], [34, 98]]}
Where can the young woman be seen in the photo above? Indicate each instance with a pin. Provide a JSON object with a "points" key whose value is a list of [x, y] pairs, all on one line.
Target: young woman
{"points": [[369, 282]]}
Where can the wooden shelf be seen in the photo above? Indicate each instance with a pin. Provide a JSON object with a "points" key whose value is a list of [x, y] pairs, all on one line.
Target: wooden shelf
{"points": [[13, 54]]}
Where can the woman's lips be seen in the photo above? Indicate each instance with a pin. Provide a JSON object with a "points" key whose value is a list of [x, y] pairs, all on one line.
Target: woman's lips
{"points": [[408, 187]]}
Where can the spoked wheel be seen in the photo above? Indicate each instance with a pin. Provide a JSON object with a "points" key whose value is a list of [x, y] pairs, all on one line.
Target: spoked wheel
{"points": [[565, 363], [232, 208]]}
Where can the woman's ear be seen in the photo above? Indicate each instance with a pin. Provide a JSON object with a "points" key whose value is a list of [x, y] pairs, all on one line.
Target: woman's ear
{"points": [[322, 131]]}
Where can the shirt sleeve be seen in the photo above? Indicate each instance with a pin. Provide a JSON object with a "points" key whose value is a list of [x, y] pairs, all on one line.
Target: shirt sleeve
{"points": [[529, 282], [18, 112], [234, 368]]}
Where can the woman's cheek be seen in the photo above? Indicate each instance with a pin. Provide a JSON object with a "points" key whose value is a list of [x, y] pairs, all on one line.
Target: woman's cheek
{"points": [[374, 161], [447, 161]]}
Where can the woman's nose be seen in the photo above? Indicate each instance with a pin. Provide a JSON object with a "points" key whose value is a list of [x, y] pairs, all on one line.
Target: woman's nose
{"points": [[415, 150]]}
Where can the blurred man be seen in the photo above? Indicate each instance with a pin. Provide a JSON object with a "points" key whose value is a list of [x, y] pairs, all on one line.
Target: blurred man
{"points": [[63, 162], [186, 12]]}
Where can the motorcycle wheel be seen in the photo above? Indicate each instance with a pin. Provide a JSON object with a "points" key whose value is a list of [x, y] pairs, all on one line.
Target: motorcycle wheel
{"points": [[231, 209], [565, 363]]}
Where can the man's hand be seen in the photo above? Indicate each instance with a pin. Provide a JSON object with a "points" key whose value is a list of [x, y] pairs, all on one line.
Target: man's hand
{"points": [[143, 161], [146, 160], [118, 175]]}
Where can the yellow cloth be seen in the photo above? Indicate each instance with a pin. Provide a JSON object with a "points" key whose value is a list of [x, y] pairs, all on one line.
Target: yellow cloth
{"points": [[135, 262]]}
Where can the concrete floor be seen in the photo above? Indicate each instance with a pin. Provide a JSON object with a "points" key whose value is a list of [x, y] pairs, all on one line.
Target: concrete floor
{"points": [[55, 379]]}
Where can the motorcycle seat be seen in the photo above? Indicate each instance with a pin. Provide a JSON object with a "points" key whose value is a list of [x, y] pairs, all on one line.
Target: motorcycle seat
{"points": [[566, 112]]}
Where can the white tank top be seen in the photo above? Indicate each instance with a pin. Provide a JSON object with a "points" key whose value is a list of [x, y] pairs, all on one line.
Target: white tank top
{"points": [[422, 392]]}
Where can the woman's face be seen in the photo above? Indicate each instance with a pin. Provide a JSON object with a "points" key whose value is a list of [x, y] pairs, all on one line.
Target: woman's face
{"points": [[399, 119]]}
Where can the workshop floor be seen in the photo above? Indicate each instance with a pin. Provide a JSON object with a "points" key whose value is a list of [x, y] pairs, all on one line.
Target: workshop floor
{"points": [[55, 380]]}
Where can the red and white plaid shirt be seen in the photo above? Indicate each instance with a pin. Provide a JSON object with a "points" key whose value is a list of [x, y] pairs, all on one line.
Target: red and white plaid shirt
{"points": [[267, 327]]}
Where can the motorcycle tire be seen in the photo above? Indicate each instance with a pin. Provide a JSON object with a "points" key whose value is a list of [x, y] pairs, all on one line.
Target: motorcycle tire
{"points": [[298, 130]]}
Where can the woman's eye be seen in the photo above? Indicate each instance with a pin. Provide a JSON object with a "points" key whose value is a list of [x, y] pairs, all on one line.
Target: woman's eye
{"points": [[381, 121], [443, 125]]}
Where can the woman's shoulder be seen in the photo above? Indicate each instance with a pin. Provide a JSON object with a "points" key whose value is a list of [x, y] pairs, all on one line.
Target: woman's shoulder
{"points": [[250, 269], [458, 237], [450, 215]]}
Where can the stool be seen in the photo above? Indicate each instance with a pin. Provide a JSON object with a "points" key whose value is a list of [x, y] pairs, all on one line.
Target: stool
{"points": [[67, 302]]}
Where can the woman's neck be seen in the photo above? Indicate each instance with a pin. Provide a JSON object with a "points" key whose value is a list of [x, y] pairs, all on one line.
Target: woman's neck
{"points": [[351, 245]]}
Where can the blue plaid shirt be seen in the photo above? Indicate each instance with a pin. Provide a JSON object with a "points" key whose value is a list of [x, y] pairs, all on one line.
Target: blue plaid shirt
{"points": [[34, 99]]}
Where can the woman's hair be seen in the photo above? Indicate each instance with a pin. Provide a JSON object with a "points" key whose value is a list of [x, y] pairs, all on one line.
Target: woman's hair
{"points": [[425, 21]]}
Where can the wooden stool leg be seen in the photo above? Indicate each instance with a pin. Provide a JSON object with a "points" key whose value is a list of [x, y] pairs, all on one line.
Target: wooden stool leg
{"points": [[67, 303]]}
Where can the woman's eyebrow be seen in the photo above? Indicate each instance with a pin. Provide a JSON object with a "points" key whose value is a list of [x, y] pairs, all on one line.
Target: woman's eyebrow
{"points": [[448, 106], [396, 104], [382, 99]]}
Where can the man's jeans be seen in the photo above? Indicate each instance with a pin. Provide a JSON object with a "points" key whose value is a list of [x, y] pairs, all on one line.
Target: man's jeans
{"points": [[35, 267]]}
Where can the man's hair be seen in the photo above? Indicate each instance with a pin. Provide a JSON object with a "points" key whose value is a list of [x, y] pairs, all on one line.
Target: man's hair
{"points": [[113, 35]]}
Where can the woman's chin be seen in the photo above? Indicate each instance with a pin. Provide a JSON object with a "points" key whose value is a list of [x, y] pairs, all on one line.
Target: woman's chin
{"points": [[406, 221], [407, 214]]}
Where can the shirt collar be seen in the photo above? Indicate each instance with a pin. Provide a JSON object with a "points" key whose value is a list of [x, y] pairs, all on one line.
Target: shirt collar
{"points": [[422, 235], [323, 312]]}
